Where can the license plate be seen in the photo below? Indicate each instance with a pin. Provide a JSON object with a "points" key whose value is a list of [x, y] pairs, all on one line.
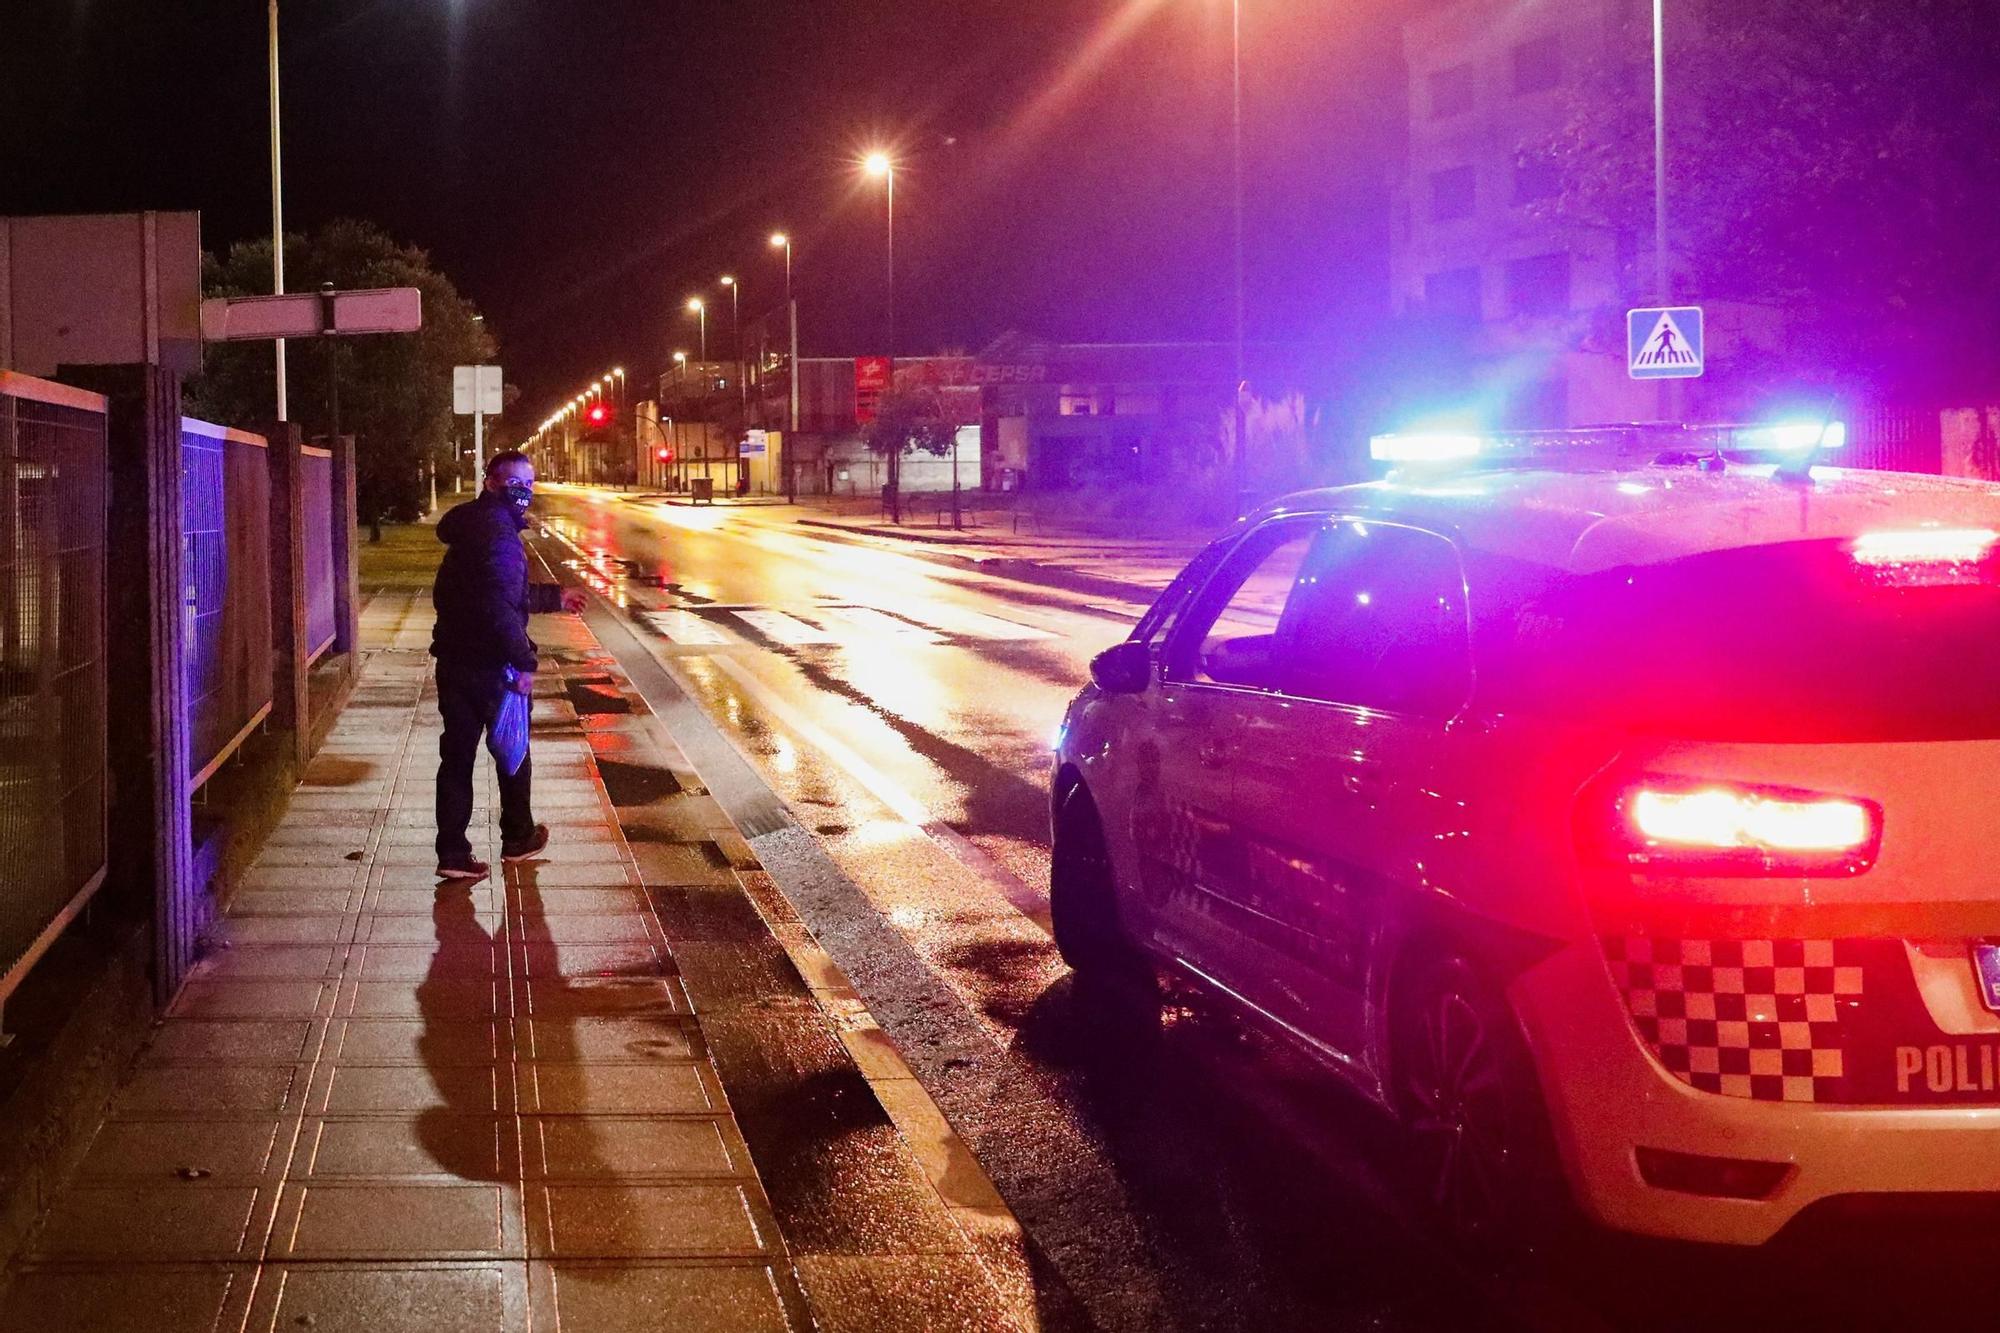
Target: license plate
{"points": [[1986, 965]]}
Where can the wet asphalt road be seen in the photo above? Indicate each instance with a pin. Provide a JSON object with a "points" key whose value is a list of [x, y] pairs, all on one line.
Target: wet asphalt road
{"points": [[1184, 1173]]}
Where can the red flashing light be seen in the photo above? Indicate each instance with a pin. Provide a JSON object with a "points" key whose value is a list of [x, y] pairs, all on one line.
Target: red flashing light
{"points": [[1677, 826]]}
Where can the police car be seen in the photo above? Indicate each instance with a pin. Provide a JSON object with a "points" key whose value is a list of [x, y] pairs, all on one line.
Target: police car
{"points": [[1617, 807]]}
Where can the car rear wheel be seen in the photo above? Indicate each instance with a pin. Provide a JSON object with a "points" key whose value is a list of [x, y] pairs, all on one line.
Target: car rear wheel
{"points": [[1481, 1151], [1083, 903]]}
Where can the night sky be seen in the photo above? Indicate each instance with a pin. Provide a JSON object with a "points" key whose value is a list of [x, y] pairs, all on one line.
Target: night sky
{"points": [[579, 167]]}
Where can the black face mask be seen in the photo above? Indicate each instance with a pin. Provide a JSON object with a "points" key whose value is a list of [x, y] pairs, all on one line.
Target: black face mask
{"points": [[519, 494]]}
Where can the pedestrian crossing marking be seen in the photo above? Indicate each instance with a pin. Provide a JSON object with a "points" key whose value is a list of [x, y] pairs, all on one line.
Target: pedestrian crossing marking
{"points": [[684, 627], [879, 624], [841, 626], [979, 625], [785, 629]]}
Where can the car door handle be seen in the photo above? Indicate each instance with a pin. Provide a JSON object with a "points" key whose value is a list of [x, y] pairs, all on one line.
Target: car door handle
{"points": [[1362, 784]]}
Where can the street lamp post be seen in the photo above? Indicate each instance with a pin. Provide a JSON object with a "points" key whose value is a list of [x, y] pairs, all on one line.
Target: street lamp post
{"points": [[879, 165], [791, 374], [277, 206], [1660, 280], [699, 310], [736, 334], [1236, 172]]}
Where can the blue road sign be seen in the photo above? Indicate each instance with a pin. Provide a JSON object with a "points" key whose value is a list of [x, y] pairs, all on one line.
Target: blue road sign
{"points": [[1664, 342]]}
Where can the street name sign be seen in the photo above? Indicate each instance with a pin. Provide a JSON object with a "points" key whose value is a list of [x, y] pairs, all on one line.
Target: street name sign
{"points": [[312, 314], [1664, 342], [476, 391]]}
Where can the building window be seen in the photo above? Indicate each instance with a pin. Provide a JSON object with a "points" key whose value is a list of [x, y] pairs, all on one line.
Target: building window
{"points": [[1453, 294], [1535, 177], [1452, 193], [1451, 92], [1538, 64], [1538, 285]]}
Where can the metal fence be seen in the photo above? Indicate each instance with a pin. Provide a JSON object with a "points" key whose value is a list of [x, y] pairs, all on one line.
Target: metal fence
{"points": [[52, 682], [226, 530], [316, 474]]}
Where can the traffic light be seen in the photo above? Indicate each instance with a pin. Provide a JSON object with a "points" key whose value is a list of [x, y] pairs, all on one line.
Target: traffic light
{"points": [[664, 454], [597, 415]]}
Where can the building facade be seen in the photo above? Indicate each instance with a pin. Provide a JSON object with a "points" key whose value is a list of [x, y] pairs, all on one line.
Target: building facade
{"points": [[1476, 239]]}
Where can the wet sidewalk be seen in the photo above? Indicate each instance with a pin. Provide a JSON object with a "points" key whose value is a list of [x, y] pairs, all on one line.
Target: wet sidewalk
{"points": [[384, 1104]]}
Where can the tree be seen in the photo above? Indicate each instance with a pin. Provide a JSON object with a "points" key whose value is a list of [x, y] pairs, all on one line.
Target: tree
{"points": [[1831, 159], [908, 419], [394, 389]]}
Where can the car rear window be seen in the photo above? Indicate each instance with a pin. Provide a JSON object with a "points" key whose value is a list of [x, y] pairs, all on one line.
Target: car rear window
{"points": [[1796, 642]]}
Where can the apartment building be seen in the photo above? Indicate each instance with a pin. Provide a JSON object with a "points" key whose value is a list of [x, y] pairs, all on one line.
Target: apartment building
{"points": [[1474, 237]]}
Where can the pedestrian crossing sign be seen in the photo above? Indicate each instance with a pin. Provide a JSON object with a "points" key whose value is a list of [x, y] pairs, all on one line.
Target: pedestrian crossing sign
{"points": [[1664, 342]]}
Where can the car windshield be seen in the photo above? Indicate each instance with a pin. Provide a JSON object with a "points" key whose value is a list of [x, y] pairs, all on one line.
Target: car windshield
{"points": [[1798, 642]]}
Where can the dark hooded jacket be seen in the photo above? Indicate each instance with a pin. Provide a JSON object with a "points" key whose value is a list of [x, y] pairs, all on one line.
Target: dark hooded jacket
{"points": [[482, 594]]}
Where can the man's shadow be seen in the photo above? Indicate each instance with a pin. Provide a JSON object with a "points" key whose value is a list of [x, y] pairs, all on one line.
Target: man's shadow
{"points": [[461, 1136]]}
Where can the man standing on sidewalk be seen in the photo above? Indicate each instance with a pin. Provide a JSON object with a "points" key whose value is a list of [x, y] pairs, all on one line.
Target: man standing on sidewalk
{"points": [[483, 599]]}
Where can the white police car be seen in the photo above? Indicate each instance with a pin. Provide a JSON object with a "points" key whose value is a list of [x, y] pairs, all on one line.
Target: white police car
{"points": [[1621, 799]]}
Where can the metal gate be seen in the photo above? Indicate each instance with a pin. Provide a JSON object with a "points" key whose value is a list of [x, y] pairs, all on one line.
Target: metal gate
{"points": [[226, 619], [52, 684]]}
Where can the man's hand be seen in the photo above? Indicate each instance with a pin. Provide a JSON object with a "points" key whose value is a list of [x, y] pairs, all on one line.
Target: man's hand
{"points": [[524, 683], [573, 601]]}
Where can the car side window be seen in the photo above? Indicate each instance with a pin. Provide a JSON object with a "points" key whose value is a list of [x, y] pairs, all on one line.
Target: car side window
{"points": [[1160, 618], [1229, 633], [1379, 622]]}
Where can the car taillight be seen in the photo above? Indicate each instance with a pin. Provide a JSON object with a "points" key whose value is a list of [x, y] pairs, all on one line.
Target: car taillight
{"points": [[1677, 826]]}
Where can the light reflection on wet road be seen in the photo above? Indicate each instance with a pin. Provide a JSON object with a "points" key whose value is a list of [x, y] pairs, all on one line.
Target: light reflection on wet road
{"points": [[1188, 1175]]}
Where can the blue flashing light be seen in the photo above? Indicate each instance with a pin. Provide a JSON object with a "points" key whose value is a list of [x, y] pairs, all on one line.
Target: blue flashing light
{"points": [[1791, 437], [1426, 447]]}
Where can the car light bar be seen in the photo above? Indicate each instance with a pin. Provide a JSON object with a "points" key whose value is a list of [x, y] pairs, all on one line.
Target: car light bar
{"points": [[1785, 438], [1427, 448]]}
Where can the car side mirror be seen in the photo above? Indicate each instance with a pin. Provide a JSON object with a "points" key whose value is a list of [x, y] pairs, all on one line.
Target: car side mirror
{"points": [[1125, 668]]}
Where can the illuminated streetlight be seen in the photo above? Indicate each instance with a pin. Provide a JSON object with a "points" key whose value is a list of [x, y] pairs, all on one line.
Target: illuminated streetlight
{"points": [[880, 166], [781, 240], [699, 310], [736, 337]]}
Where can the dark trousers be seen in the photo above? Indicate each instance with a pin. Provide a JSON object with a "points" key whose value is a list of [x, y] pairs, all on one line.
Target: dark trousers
{"points": [[469, 700]]}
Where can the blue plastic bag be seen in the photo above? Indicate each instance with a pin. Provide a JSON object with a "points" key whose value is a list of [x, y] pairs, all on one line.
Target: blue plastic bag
{"points": [[507, 738]]}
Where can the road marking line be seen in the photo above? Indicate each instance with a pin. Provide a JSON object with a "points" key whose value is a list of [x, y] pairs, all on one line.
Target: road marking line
{"points": [[979, 625], [1021, 896], [683, 627], [785, 629], [874, 624]]}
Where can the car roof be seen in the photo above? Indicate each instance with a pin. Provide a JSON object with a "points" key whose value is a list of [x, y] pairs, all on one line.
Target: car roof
{"points": [[1582, 521]]}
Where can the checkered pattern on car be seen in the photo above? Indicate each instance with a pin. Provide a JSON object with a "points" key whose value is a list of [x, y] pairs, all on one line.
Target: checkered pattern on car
{"points": [[1744, 1018]]}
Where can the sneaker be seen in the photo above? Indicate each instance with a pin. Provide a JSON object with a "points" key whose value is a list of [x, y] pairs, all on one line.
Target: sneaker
{"points": [[463, 867], [527, 847]]}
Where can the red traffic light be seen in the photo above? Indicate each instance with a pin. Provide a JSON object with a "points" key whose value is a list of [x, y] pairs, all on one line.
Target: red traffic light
{"points": [[665, 455], [597, 414]]}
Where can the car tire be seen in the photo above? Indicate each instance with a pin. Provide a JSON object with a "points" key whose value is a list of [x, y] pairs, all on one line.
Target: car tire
{"points": [[1083, 897], [1481, 1154]]}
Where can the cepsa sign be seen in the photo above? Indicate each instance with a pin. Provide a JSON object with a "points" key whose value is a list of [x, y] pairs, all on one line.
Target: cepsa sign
{"points": [[871, 377], [953, 372]]}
